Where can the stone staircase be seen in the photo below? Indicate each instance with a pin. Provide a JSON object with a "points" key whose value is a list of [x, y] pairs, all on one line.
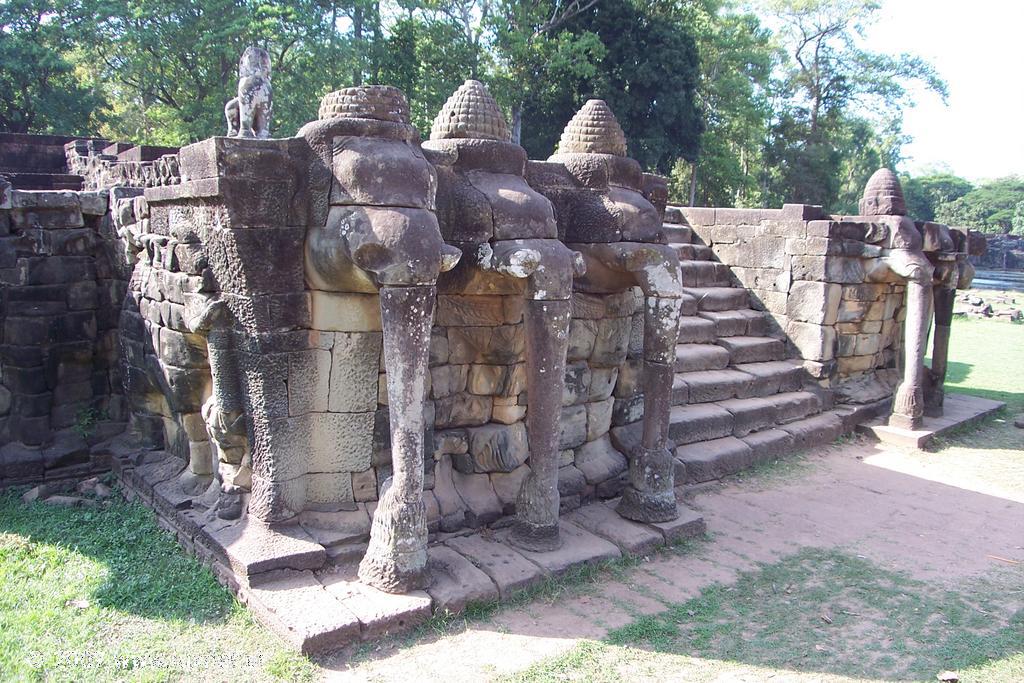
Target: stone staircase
{"points": [[737, 398]]}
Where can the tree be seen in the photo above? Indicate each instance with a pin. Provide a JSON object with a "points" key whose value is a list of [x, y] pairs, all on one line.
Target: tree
{"points": [[990, 207], [830, 80], [924, 194], [40, 91], [648, 74], [737, 56]]}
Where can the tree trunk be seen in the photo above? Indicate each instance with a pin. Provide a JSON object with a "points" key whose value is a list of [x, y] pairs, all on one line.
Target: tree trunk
{"points": [[357, 34], [517, 122], [693, 183]]}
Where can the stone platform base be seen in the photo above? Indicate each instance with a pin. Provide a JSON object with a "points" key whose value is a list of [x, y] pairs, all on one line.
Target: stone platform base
{"points": [[311, 596], [959, 410]]}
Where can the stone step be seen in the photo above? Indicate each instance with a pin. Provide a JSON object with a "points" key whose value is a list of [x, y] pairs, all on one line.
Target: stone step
{"points": [[704, 274], [697, 330], [696, 357], [738, 322], [707, 386], [694, 252], [714, 459], [752, 349], [677, 234], [815, 431], [719, 298], [699, 422], [754, 414], [773, 377]]}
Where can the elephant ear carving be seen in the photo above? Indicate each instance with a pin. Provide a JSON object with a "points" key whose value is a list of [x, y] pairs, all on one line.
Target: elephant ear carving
{"points": [[372, 257]]}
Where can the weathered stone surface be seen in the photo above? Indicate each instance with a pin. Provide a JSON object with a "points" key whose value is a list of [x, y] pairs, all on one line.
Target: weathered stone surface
{"points": [[507, 484], [461, 410], [482, 504], [457, 582], [298, 608], [689, 524], [703, 422], [815, 431], [509, 569], [494, 448], [715, 458], [769, 444], [599, 460], [573, 426], [630, 537], [345, 312], [309, 377], [814, 302], [579, 548], [813, 342], [354, 372], [318, 437], [379, 613], [253, 548]]}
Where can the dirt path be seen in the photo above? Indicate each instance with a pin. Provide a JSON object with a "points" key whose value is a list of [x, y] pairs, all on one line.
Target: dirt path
{"points": [[943, 517]]}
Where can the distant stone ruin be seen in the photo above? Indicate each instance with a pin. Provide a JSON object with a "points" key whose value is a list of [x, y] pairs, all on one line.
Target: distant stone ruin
{"points": [[366, 377]]}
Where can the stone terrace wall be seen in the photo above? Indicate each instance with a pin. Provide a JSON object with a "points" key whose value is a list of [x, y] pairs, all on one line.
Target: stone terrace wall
{"points": [[810, 271], [329, 401], [478, 397], [63, 279]]}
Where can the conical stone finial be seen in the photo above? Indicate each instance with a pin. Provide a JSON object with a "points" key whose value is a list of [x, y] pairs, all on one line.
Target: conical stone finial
{"points": [[594, 130], [883, 195], [380, 102], [470, 112]]}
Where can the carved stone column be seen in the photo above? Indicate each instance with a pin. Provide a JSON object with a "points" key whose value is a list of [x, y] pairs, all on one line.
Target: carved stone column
{"points": [[940, 246], [903, 256], [381, 234], [488, 209], [548, 268], [607, 210]]}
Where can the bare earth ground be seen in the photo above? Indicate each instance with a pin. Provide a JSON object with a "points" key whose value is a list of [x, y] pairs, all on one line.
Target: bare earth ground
{"points": [[922, 526]]}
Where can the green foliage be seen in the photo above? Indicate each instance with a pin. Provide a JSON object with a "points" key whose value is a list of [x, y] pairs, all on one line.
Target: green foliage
{"points": [[925, 194], [737, 56], [996, 206], [819, 150], [735, 113], [41, 90]]}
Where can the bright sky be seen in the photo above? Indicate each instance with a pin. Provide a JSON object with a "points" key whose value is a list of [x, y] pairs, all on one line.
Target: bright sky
{"points": [[978, 48]]}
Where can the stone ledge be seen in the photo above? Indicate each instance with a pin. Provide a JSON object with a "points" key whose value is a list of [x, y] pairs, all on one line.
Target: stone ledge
{"points": [[291, 586], [959, 410]]}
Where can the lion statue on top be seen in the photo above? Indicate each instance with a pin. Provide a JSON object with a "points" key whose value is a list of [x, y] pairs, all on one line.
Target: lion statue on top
{"points": [[248, 115]]}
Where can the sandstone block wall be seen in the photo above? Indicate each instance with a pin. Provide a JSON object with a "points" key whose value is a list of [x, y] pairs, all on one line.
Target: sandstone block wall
{"points": [[63, 279], [811, 273]]}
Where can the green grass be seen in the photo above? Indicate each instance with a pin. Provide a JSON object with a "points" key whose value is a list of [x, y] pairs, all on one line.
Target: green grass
{"points": [[105, 594], [827, 614], [986, 358]]}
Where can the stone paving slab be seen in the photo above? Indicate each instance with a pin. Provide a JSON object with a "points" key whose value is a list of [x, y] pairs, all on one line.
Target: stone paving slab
{"points": [[509, 570], [298, 608], [457, 582], [379, 613], [252, 548], [958, 410], [630, 537], [579, 548], [689, 524]]}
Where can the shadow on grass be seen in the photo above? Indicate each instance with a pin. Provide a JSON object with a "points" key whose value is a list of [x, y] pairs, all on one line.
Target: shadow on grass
{"points": [[147, 574], [818, 611]]}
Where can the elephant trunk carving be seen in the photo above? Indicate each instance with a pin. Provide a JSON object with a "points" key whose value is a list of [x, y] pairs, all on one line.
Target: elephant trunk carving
{"points": [[548, 268], [650, 494]]}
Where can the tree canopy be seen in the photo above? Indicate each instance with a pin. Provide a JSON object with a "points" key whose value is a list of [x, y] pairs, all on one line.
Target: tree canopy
{"points": [[744, 107]]}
